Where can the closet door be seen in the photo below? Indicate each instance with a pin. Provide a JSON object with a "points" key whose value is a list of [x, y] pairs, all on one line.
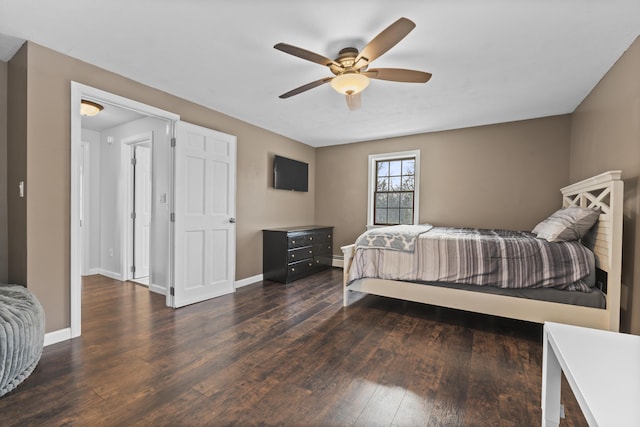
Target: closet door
{"points": [[204, 209], [142, 208]]}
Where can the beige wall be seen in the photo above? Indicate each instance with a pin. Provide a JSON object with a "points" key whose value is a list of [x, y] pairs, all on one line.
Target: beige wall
{"points": [[605, 135], [48, 76], [499, 176], [17, 167], [4, 241]]}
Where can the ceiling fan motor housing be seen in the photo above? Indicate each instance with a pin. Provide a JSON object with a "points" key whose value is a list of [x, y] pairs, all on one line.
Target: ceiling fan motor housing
{"points": [[346, 60]]}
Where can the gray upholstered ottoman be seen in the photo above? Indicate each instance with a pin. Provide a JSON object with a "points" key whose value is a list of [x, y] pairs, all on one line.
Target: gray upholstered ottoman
{"points": [[21, 335]]}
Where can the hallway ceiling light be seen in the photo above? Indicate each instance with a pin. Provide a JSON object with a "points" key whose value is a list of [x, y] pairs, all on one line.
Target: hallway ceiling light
{"points": [[89, 108]]}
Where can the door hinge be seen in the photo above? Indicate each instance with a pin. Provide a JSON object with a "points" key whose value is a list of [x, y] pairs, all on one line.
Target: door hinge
{"points": [[133, 215], [134, 161], [172, 291], [133, 268], [173, 142], [172, 217]]}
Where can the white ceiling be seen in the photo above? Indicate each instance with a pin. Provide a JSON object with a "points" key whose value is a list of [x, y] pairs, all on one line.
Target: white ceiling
{"points": [[109, 117], [492, 61]]}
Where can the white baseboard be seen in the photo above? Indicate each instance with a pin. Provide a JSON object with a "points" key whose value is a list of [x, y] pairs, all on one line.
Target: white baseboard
{"points": [[158, 289], [249, 281], [338, 261], [57, 336], [110, 274], [94, 271]]}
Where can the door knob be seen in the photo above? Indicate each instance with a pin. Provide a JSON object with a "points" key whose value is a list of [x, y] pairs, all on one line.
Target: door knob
{"points": [[232, 220]]}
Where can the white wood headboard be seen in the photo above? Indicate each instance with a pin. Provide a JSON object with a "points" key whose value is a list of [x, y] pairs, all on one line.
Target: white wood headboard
{"points": [[604, 191]]}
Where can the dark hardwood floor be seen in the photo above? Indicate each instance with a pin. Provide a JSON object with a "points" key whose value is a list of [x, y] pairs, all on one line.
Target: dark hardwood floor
{"points": [[276, 354]]}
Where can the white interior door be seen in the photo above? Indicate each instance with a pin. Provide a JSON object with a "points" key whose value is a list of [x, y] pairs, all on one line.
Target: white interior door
{"points": [[142, 206], [204, 208]]}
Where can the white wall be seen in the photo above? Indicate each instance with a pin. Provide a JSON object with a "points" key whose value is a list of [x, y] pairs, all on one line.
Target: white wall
{"points": [[113, 202], [92, 201]]}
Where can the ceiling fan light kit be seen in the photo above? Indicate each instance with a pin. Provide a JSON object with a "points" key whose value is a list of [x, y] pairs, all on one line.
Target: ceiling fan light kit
{"points": [[350, 83], [351, 66]]}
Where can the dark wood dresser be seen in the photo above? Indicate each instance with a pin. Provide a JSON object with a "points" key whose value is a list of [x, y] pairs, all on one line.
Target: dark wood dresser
{"points": [[291, 253]]}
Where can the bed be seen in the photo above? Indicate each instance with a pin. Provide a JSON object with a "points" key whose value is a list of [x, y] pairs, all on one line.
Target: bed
{"points": [[604, 240]]}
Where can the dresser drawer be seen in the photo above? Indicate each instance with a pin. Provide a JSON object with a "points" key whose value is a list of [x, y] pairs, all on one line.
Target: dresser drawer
{"points": [[300, 253], [297, 240], [322, 260], [301, 267], [322, 248]]}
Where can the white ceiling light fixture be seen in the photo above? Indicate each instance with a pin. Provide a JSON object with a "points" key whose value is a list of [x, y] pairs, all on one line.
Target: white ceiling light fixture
{"points": [[90, 108], [350, 83]]}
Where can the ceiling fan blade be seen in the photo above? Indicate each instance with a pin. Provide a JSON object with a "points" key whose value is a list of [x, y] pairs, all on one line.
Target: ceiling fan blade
{"points": [[398, 75], [387, 39], [354, 101], [306, 87], [305, 54]]}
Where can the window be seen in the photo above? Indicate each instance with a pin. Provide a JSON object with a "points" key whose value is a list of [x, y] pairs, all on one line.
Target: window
{"points": [[393, 188]]}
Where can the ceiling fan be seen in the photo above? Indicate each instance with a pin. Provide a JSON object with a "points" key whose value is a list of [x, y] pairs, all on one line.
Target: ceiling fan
{"points": [[351, 68]]}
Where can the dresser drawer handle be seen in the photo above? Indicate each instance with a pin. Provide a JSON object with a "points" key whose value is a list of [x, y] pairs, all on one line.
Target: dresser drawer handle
{"points": [[329, 236], [293, 242], [310, 264], [310, 237], [293, 255], [293, 269], [310, 252], [317, 261]]}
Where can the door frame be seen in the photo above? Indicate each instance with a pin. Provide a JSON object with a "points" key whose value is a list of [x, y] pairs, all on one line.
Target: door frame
{"points": [[80, 91], [126, 154]]}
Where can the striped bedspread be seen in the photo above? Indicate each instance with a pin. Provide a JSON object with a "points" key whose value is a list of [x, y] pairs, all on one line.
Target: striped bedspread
{"points": [[501, 258]]}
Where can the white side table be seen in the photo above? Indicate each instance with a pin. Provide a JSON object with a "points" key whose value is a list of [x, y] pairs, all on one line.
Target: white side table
{"points": [[602, 368]]}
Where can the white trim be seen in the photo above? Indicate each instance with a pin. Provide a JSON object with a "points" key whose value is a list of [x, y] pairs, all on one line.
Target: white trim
{"points": [[79, 91], [157, 289], [57, 336], [111, 274], [337, 261], [85, 206], [371, 182], [93, 271], [249, 281]]}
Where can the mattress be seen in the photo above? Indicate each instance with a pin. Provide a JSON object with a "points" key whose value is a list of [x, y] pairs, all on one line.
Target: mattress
{"points": [[501, 262]]}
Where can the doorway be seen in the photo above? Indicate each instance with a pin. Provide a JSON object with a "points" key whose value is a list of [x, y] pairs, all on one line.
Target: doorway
{"points": [[116, 249], [137, 162], [192, 231]]}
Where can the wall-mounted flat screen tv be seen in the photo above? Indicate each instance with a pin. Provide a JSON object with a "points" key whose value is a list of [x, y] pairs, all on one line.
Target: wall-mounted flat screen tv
{"points": [[289, 174]]}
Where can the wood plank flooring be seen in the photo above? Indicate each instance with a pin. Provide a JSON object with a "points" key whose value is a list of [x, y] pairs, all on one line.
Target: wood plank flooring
{"points": [[274, 354]]}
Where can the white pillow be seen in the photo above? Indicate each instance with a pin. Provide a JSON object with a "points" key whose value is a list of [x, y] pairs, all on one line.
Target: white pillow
{"points": [[539, 227], [567, 224]]}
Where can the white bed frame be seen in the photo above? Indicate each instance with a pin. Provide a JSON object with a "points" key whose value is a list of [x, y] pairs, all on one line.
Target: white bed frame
{"points": [[605, 239]]}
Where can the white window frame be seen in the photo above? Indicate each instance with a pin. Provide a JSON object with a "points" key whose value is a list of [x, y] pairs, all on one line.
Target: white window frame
{"points": [[373, 158]]}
